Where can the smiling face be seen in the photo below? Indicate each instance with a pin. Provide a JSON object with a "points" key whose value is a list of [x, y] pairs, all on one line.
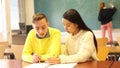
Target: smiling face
{"points": [[70, 27], [41, 27]]}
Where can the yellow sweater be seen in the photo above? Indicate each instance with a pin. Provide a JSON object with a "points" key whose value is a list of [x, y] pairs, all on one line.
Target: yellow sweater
{"points": [[46, 47]]}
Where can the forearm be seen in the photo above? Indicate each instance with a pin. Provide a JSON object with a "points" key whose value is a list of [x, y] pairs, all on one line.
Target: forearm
{"points": [[49, 55], [27, 58], [79, 57]]}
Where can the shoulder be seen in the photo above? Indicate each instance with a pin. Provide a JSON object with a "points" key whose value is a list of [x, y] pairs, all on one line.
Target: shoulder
{"points": [[84, 32], [53, 30], [32, 31], [87, 34]]}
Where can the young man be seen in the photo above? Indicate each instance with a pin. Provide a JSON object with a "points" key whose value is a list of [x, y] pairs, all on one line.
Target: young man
{"points": [[42, 41]]}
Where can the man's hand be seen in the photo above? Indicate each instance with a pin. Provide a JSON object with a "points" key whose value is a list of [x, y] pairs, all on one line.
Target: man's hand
{"points": [[36, 58]]}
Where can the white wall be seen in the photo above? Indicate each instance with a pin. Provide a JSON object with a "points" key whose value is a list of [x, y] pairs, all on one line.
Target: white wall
{"points": [[7, 29], [29, 11], [116, 33]]}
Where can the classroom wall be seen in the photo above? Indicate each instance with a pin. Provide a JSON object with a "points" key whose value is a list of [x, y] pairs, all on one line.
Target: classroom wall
{"points": [[29, 11], [88, 9]]}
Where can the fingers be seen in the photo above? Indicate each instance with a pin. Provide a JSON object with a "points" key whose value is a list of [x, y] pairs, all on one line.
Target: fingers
{"points": [[36, 58]]}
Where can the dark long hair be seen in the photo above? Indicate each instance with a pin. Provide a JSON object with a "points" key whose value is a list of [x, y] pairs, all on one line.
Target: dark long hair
{"points": [[73, 16]]}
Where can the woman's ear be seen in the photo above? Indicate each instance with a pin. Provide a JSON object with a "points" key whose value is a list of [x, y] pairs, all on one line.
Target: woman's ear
{"points": [[76, 25], [48, 24]]}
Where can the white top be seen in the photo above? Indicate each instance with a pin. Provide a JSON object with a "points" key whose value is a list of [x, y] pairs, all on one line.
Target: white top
{"points": [[79, 48]]}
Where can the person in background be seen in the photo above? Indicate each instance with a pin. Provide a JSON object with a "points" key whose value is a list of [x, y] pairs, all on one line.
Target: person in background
{"points": [[105, 17], [42, 42], [81, 45]]}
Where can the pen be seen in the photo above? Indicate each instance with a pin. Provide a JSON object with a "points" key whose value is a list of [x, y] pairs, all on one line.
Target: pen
{"points": [[48, 66]]}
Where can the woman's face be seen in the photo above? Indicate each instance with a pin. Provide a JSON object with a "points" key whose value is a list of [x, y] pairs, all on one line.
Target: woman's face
{"points": [[70, 27]]}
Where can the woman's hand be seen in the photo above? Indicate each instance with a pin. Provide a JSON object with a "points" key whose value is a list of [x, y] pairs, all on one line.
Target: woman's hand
{"points": [[53, 60], [36, 58], [111, 5]]}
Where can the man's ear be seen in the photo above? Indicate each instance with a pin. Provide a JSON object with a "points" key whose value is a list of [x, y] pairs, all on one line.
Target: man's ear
{"points": [[32, 25]]}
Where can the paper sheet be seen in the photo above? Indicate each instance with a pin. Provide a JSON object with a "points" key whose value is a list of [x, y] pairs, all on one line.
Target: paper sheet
{"points": [[45, 65], [70, 65]]}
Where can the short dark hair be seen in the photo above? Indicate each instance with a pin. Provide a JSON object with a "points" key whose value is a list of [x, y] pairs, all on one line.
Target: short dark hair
{"points": [[39, 16]]}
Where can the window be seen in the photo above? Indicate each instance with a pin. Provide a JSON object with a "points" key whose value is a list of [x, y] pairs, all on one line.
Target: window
{"points": [[14, 14], [1, 17]]}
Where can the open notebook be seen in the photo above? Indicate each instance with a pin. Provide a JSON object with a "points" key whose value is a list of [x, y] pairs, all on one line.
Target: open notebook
{"points": [[45, 65]]}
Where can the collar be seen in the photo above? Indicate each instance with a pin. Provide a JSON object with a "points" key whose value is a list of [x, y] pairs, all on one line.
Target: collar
{"points": [[46, 36], [77, 35]]}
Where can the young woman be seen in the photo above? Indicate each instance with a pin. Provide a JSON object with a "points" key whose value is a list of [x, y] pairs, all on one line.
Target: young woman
{"points": [[105, 16], [81, 45]]}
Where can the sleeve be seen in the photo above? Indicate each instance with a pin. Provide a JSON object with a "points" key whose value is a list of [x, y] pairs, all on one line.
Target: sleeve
{"points": [[100, 16], [54, 49], [66, 45], [27, 50], [86, 50], [111, 11]]}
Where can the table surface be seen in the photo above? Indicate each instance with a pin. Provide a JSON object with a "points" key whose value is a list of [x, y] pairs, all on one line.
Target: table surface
{"points": [[91, 64], [5, 63], [94, 64], [99, 64], [114, 49]]}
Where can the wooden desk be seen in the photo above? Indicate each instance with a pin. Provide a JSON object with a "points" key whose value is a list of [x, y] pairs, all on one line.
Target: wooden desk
{"points": [[4, 63], [114, 49], [114, 53], [92, 64], [99, 64], [96, 64], [116, 64]]}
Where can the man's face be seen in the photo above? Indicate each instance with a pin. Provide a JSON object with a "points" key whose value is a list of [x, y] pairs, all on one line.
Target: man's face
{"points": [[41, 27]]}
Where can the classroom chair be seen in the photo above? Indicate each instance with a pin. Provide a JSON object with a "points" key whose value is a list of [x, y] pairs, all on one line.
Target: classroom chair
{"points": [[3, 45], [102, 49], [2, 49], [102, 53], [102, 41]]}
